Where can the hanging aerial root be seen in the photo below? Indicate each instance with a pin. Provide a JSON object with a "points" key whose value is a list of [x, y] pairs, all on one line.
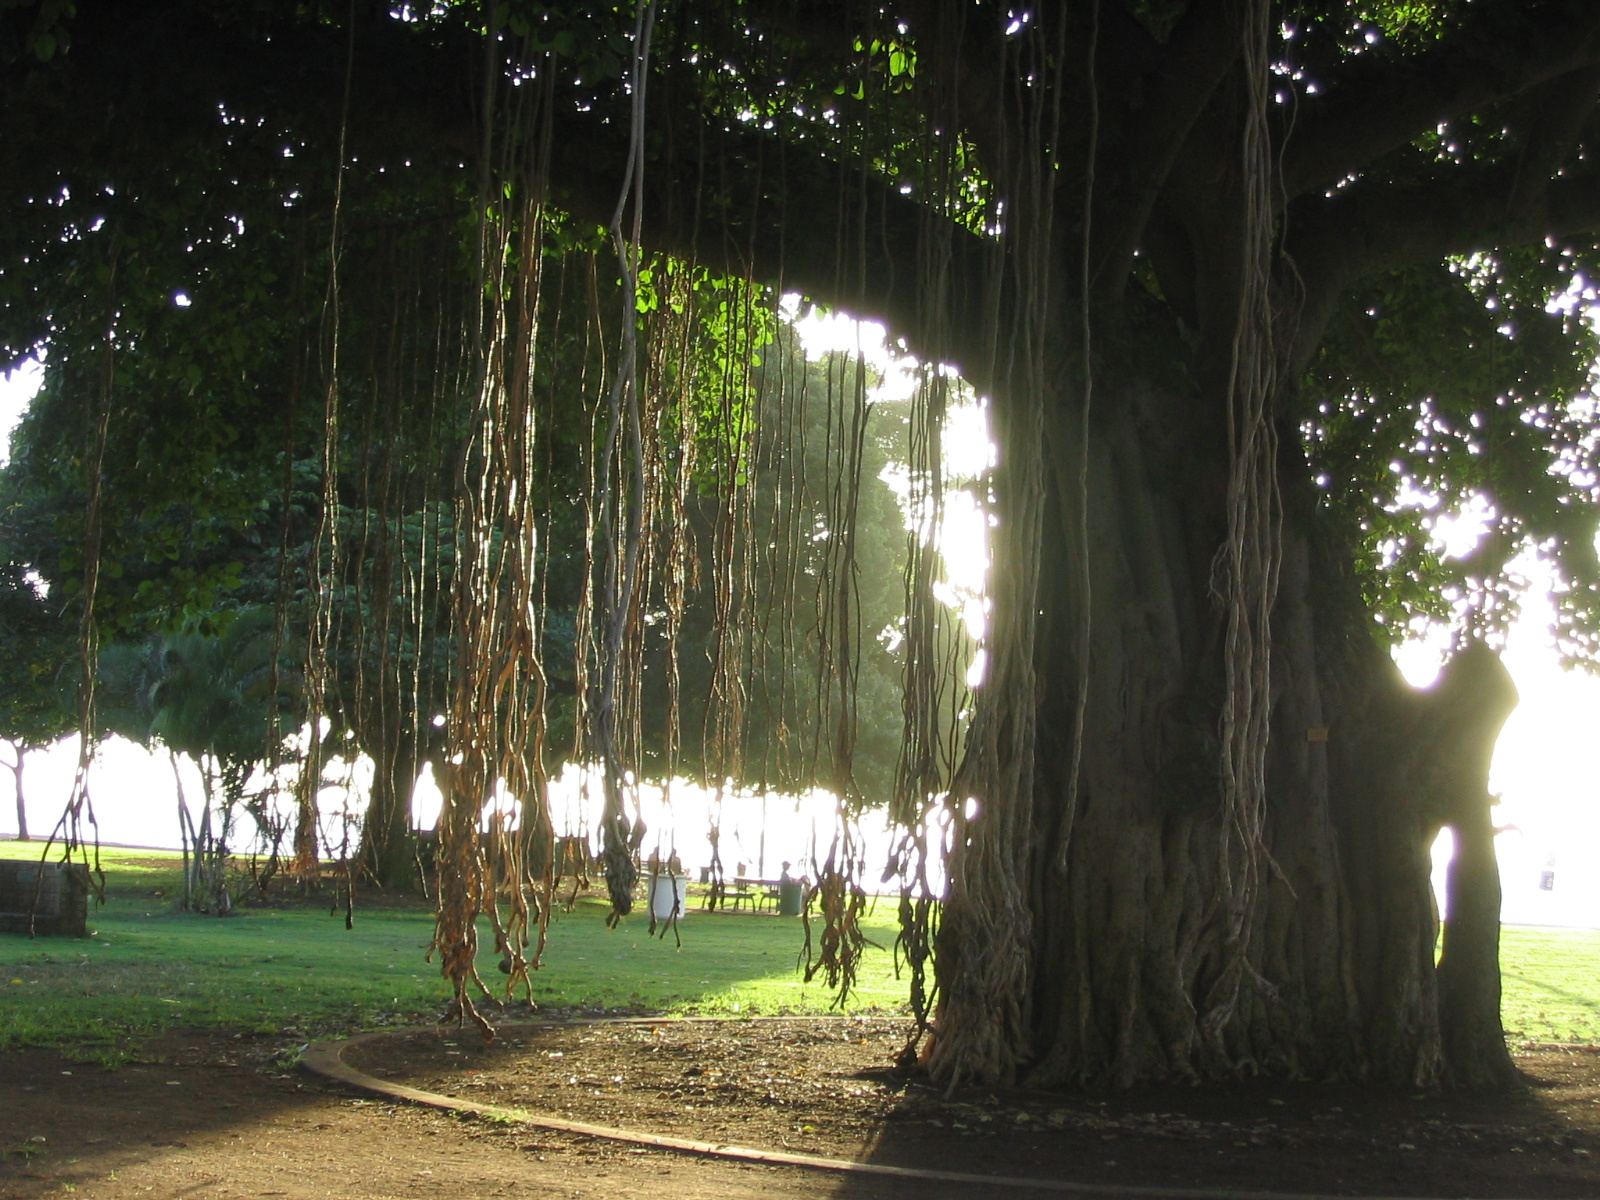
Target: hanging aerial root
{"points": [[461, 893], [840, 901], [496, 837], [1247, 564]]}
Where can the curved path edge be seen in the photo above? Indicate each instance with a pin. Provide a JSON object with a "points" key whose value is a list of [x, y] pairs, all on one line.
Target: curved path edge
{"points": [[326, 1058]]}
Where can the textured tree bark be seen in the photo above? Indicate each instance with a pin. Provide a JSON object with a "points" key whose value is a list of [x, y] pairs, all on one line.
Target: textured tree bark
{"points": [[387, 853], [1478, 696], [1116, 915], [1469, 968], [306, 837]]}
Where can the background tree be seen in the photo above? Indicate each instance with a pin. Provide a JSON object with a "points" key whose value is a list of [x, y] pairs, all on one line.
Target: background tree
{"points": [[40, 646], [36, 652], [205, 692]]}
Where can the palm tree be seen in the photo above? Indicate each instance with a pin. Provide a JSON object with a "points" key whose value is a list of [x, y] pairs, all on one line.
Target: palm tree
{"points": [[208, 692]]}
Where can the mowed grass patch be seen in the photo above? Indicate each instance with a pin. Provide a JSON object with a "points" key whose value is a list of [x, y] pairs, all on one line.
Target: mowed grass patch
{"points": [[1550, 984], [298, 971]]}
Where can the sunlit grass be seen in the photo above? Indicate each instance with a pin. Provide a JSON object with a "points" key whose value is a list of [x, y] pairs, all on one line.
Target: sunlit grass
{"points": [[298, 971], [1550, 984]]}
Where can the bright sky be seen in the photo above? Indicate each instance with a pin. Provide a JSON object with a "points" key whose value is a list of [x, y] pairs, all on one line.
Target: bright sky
{"points": [[1546, 766], [16, 390], [1546, 772]]}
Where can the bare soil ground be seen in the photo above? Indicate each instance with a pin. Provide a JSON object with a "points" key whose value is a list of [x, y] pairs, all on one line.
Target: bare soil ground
{"points": [[209, 1116]]}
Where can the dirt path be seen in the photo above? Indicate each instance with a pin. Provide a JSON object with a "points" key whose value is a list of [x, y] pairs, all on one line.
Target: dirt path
{"points": [[207, 1123], [218, 1117]]}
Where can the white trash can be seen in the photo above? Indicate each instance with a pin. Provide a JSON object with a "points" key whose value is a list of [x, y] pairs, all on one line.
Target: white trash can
{"points": [[669, 892]]}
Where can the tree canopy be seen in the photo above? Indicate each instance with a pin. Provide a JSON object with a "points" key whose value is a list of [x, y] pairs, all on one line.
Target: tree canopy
{"points": [[1436, 194], [463, 310]]}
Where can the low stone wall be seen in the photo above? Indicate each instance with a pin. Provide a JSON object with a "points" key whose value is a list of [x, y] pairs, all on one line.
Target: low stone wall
{"points": [[62, 890]]}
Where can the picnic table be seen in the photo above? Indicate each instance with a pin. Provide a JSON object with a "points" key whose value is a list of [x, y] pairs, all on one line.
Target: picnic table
{"points": [[756, 894], [782, 896]]}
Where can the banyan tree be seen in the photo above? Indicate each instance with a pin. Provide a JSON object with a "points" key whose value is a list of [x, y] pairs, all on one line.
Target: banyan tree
{"points": [[476, 369]]}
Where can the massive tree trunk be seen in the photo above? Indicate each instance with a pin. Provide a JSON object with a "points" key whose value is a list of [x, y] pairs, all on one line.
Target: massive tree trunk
{"points": [[1107, 962]]}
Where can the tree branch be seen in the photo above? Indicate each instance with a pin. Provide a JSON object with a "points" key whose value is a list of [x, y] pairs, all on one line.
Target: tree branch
{"points": [[1377, 104], [737, 200], [1563, 109], [1196, 58], [747, 205], [1381, 229]]}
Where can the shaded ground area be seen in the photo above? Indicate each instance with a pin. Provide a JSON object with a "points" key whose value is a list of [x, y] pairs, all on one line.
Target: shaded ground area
{"points": [[205, 1123], [217, 1116]]}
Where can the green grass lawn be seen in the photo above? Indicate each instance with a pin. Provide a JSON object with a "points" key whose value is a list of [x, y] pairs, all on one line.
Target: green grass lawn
{"points": [[299, 972], [1550, 984]]}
